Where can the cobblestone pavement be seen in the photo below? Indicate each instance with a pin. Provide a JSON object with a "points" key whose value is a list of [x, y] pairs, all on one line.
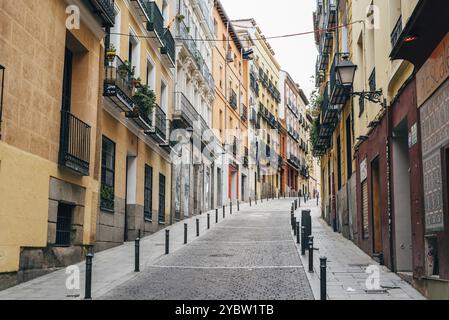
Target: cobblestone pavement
{"points": [[347, 265], [249, 256]]}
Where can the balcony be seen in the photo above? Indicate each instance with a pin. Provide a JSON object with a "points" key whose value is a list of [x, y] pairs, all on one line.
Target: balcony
{"points": [[323, 62], [293, 161], [118, 87], [104, 11], [329, 111], [152, 16], [74, 149], [190, 44], [246, 158], [160, 125], [168, 49], [141, 117], [326, 43], [185, 115], [244, 113], [233, 99], [331, 14], [338, 94]]}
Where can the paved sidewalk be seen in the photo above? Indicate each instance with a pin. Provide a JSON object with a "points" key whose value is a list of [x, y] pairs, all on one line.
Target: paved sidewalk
{"points": [[346, 266], [115, 266]]}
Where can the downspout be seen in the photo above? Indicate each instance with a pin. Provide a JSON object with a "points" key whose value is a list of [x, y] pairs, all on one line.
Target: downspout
{"points": [[387, 106]]}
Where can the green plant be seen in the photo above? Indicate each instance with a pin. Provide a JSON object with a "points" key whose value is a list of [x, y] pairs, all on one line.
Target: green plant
{"points": [[127, 70], [145, 98]]}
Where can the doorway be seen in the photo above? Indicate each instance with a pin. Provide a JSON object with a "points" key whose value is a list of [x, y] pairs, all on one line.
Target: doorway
{"points": [[376, 212], [402, 199]]}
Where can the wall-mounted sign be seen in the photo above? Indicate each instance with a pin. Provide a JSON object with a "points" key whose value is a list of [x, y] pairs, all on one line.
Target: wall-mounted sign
{"points": [[434, 72], [363, 170]]}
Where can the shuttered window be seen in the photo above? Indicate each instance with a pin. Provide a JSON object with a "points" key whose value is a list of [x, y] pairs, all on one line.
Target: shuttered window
{"points": [[365, 218], [148, 193]]}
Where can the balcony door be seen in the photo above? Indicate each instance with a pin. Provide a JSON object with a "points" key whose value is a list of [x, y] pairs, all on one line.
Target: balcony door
{"points": [[67, 80]]}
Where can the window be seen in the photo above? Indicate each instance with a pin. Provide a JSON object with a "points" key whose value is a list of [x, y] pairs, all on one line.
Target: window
{"points": [[164, 96], [107, 175], [64, 224], [148, 193], [339, 182], [161, 198], [134, 52], [151, 75], [349, 147], [365, 215]]}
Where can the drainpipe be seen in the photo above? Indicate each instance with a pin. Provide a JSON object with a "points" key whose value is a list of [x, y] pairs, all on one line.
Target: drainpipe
{"points": [[389, 181]]}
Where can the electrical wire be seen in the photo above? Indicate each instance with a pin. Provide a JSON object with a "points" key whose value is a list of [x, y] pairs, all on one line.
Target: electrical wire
{"points": [[250, 39]]}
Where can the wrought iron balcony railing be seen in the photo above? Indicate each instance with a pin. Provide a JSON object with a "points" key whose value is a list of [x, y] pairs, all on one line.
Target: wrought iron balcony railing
{"points": [[160, 123], [141, 117], [168, 49], [338, 94], [104, 10], [233, 99], [190, 44], [244, 113], [118, 85], [74, 149], [155, 22]]}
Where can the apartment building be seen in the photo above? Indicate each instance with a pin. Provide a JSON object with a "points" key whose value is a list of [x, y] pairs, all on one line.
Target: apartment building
{"points": [[49, 152], [195, 175], [383, 177], [136, 123], [293, 111], [265, 100], [230, 119]]}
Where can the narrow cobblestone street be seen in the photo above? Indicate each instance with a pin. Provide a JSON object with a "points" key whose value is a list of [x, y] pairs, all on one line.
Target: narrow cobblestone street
{"points": [[250, 255]]}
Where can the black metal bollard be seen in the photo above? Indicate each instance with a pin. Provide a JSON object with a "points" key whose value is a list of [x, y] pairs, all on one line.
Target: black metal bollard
{"points": [[197, 227], [224, 212], [137, 256], [167, 241], [311, 254], [303, 240], [317, 201], [299, 202], [298, 233], [294, 226], [88, 287], [323, 278], [208, 221], [230, 208], [291, 218], [216, 215], [250, 202], [238, 205], [185, 232]]}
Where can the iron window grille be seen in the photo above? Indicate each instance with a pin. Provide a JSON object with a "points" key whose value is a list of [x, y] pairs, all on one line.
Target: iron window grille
{"points": [[161, 198], [107, 193], [64, 225], [148, 193]]}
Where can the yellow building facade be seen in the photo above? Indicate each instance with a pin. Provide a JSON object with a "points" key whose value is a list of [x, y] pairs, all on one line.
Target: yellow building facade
{"points": [[46, 171]]}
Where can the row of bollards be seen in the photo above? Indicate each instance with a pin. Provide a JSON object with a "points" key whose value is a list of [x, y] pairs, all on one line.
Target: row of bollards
{"points": [[303, 233], [89, 257]]}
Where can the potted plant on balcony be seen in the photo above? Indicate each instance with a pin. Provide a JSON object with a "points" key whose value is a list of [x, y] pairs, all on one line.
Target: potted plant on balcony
{"points": [[136, 82], [126, 70], [110, 53], [145, 99]]}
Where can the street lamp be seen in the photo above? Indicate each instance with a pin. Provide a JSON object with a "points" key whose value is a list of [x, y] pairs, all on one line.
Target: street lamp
{"points": [[345, 71]]}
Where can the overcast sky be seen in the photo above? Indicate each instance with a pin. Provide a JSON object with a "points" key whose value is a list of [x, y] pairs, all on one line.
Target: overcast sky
{"points": [[296, 55]]}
